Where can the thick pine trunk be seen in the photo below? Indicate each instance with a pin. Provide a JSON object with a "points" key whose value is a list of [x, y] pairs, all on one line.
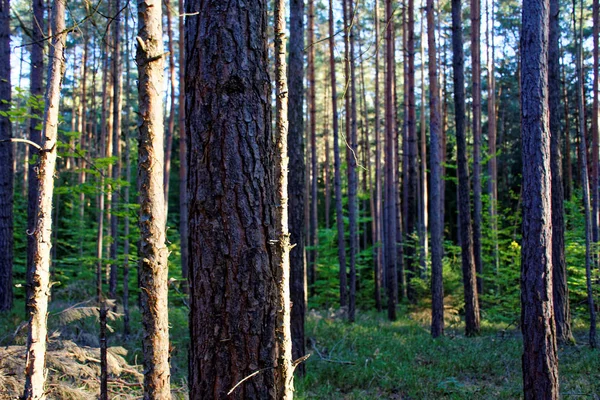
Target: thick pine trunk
{"points": [[559, 269], [35, 374], [540, 361], [153, 251], [390, 172], [466, 237], [36, 78], [6, 164], [436, 205], [296, 179], [232, 184], [337, 163]]}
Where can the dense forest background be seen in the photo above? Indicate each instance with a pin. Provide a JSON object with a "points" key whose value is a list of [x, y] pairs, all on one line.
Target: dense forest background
{"points": [[358, 163]]}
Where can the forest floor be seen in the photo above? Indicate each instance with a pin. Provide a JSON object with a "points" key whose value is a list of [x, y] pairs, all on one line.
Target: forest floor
{"points": [[370, 359]]}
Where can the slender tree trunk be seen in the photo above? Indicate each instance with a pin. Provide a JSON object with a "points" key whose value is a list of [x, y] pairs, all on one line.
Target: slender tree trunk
{"points": [[390, 170], [337, 166], [568, 165], [436, 206], [153, 252], [84, 139], [35, 374], [233, 206], [595, 134], [540, 361], [36, 78], [126, 314], [296, 179], [117, 76], [183, 158], [584, 176], [312, 110], [423, 209], [377, 240], [283, 335], [327, 166], [6, 164], [560, 290], [466, 237], [476, 92], [352, 162], [172, 97]]}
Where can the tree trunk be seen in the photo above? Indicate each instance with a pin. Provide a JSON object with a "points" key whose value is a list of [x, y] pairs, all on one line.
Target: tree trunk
{"points": [[390, 171], [476, 91], [423, 193], [171, 121], [6, 164], [296, 179], [472, 326], [437, 216], [568, 165], [36, 78], [117, 76], [35, 374], [232, 185], [285, 369], [183, 158], [312, 110], [560, 290], [153, 251], [377, 240], [584, 175], [337, 166], [595, 133], [126, 314], [540, 361]]}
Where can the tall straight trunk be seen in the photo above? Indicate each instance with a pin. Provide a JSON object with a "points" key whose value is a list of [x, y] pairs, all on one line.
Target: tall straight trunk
{"points": [[233, 203], [126, 314], [476, 93], [423, 193], [6, 164], [117, 75], [183, 159], [568, 164], [312, 110], [491, 112], [283, 335], [540, 361], [560, 290], [595, 134], [36, 78], [327, 166], [153, 251], [410, 186], [84, 139], [377, 239], [172, 97], [472, 322], [35, 374], [401, 155], [337, 165], [589, 259], [352, 155], [390, 170], [436, 206], [296, 179]]}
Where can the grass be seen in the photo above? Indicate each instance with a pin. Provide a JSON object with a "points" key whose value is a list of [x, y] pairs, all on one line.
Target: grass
{"points": [[370, 359]]}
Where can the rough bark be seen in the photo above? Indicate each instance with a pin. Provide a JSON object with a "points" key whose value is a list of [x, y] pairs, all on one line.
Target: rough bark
{"points": [[232, 202], [6, 164], [390, 172], [296, 178], [285, 370], [437, 216], [540, 361], [36, 78], [472, 323], [339, 212], [183, 158], [560, 290], [35, 373], [153, 252]]}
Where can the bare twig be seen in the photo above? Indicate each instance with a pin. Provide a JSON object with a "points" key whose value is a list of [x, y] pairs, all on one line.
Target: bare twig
{"points": [[248, 377]]}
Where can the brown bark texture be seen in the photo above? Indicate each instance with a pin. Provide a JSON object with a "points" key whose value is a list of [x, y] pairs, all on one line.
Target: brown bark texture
{"points": [[465, 232], [6, 164], [35, 374], [540, 361], [183, 158], [232, 211], [153, 252]]}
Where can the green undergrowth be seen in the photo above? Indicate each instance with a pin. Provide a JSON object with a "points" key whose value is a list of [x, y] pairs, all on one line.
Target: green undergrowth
{"points": [[374, 358]]}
